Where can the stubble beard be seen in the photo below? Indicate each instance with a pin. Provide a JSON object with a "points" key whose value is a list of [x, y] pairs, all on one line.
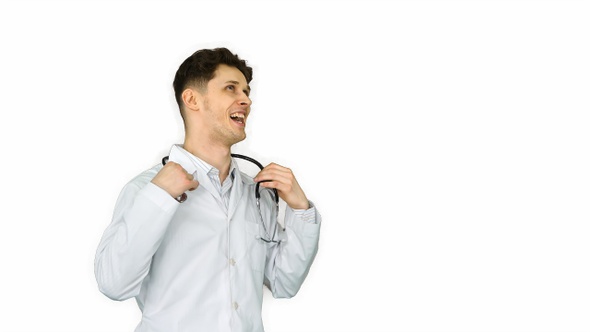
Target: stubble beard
{"points": [[220, 133]]}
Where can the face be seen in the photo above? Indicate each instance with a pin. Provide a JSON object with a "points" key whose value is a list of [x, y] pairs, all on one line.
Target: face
{"points": [[226, 106]]}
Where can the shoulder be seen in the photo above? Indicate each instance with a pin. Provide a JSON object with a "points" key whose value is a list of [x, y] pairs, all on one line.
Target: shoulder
{"points": [[141, 180]]}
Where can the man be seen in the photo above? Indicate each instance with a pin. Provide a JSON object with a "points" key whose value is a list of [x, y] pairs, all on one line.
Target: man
{"points": [[200, 264]]}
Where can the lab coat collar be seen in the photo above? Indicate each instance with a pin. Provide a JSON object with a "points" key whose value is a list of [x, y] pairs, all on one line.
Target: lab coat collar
{"points": [[239, 188], [182, 157]]}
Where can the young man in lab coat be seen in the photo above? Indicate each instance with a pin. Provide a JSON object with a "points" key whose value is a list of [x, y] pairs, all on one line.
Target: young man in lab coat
{"points": [[200, 265]]}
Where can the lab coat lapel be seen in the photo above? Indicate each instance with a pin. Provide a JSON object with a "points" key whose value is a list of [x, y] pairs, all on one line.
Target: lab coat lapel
{"points": [[205, 181], [179, 156], [238, 190]]}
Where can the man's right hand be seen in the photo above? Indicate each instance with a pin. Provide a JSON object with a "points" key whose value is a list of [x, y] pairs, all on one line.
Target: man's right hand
{"points": [[174, 179]]}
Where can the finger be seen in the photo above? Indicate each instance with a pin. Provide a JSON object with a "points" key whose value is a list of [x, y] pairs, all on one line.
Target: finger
{"points": [[277, 167], [271, 172], [278, 185], [290, 193], [194, 185], [274, 176], [270, 184], [173, 165], [274, 166]]}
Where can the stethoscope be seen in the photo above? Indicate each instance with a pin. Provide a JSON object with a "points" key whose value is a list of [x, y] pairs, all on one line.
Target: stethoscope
{"points": [[275, 196]]}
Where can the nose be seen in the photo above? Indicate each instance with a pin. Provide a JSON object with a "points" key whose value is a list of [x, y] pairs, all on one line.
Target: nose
{"points": [[245, 100]]}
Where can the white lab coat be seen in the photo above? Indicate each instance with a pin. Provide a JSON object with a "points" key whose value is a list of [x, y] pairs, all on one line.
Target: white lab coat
{"points": [[191, 266]]}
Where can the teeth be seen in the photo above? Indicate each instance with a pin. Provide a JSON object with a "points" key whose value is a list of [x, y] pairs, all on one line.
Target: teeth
{"points": [[237, 115]]}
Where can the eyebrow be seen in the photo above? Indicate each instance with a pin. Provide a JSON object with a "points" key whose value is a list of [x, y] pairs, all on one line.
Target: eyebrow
{"points": [[238, 83]]}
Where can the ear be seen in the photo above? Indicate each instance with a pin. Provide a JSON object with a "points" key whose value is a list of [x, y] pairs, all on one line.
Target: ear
{"points": [[191, 99]]}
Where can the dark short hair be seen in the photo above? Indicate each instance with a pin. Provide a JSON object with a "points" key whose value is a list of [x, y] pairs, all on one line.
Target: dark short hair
{"points": [[199, 68]]}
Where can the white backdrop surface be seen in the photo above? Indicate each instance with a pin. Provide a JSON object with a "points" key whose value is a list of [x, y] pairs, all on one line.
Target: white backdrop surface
{"points": [[446, 144]]}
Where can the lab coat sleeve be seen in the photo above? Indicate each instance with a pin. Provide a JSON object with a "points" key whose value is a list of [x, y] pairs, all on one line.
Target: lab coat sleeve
{"points": [[288, 262], [141, 217]]}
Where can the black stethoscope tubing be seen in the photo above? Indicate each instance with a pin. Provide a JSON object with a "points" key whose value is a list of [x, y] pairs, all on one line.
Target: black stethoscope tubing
{"points": [[183, 197]]}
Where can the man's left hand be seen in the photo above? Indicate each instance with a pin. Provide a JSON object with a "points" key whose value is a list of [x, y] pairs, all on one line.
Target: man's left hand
{"points": [[283, 180]]}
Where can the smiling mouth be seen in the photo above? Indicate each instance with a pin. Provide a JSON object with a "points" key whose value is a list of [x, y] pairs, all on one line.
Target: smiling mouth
{"points": [[238, 118]]}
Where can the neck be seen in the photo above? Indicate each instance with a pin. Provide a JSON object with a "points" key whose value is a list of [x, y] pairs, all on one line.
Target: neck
{"points": [[216, 155]]}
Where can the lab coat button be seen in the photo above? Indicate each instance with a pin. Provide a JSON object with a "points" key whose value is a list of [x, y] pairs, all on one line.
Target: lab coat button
{"points": [[232, 262], [235, 305]]}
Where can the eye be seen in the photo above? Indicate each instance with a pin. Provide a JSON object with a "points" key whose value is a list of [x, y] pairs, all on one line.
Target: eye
{"points": [[230, 88]]}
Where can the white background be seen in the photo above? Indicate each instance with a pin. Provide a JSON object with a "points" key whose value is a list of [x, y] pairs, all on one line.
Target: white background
{"points": [[445, 143]]}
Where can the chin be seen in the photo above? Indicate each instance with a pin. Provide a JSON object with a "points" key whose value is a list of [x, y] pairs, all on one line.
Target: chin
{"points": [[241, 139], [237, 139]]}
